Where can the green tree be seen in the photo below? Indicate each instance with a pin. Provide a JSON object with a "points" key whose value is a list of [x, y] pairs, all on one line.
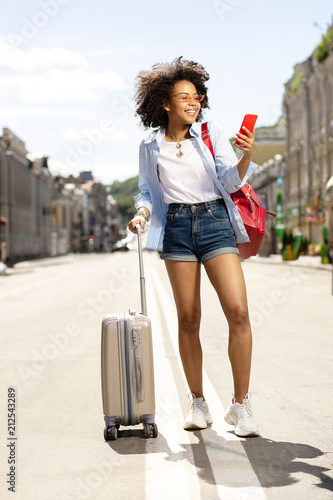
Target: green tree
{"points": [[325, 47], [123, 193]]}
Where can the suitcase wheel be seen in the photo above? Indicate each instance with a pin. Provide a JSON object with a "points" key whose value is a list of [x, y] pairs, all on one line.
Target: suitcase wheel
{"points": [[150, 430], [111, 433], [154, 431]]}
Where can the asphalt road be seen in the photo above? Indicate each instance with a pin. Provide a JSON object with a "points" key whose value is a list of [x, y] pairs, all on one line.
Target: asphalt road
{"points": [[50, 357]]}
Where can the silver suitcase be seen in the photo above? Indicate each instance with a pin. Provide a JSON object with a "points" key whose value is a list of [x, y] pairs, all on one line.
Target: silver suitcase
{"points": [[128, 391]]}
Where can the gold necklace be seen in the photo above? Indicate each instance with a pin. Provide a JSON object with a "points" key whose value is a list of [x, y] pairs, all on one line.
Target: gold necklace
{"points": [[178, 146]]}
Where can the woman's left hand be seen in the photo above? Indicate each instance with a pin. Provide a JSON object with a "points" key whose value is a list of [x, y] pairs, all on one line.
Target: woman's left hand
{"points": [[245, 143]]}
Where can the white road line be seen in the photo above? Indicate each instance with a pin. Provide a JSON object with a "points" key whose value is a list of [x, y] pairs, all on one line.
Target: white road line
{"points": [[233, 472], [169, 474]]}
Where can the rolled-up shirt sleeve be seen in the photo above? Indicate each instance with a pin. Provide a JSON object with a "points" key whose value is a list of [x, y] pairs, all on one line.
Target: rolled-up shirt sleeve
{"points": [[226, 162], [143, 199]]}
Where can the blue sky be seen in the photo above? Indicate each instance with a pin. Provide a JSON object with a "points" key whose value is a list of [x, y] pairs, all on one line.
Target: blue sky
{"points": [[67, 68]]}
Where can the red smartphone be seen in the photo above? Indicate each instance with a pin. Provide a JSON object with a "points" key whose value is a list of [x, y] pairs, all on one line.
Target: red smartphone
{"points": [[249, 122]]}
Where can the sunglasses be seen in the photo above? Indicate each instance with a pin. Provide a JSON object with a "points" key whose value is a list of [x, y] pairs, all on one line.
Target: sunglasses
{"points": [[188, 98]]}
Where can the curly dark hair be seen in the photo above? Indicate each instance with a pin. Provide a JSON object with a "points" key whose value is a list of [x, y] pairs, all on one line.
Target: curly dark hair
{"points": [[154, 87]]}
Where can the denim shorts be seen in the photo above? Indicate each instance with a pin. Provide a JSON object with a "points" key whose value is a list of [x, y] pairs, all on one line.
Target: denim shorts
{"points": [[198, 232]]}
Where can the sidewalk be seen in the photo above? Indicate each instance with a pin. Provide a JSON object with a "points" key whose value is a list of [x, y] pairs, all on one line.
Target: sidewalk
{"points": [[27, 266], [303, 261]]}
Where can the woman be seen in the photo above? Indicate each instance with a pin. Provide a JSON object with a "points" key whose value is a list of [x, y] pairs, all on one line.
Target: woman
{"points": [[185, 195]]}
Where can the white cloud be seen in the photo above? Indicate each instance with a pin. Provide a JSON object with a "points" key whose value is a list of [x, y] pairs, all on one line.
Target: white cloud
{"points": [[59, 168], [10, 112], [105, 173], [115, 172], [52, 76], [63, 103], [113, 134], [39, 60]]}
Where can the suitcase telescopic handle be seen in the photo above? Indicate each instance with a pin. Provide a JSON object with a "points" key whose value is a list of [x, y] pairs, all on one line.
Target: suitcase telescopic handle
{"points": [[142, 277]]}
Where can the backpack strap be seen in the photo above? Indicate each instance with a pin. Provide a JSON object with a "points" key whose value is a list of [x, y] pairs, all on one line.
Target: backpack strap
{"points": [[206, 138]]}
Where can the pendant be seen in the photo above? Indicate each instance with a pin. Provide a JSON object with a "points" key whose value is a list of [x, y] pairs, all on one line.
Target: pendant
{"points": [[180, 153]]}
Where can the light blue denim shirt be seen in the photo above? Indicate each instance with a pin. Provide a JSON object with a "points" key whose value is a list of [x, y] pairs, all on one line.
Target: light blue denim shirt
{"points": [[223, 171]]}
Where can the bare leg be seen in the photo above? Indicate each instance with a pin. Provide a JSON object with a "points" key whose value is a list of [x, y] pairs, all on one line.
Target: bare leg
{"points": [[226, 275], [185, 282]]}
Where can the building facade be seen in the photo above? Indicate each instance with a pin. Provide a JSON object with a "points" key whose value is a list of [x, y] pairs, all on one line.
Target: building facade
{"points": [[25, 201], [265, 183], [43, 215], [308, 105]]}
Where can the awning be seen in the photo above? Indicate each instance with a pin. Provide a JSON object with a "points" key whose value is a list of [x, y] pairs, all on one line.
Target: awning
{"points": [[330, 183], [315, 218]]}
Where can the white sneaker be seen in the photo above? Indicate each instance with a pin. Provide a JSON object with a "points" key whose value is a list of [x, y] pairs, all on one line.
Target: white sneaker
{"points": [[198, 416], [240, 415]]}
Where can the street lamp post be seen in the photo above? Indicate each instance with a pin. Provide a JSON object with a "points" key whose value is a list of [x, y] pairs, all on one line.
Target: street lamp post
{"points": [[9, 155], [280, 216], [1, 206], [298, 147]]}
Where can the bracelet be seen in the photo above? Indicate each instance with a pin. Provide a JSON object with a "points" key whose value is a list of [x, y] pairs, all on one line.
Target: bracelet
{"points": [[137, 216], [142, 212]]}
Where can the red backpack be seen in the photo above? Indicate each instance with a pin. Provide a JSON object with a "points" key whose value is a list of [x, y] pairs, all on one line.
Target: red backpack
{"points": [[249, 207]]}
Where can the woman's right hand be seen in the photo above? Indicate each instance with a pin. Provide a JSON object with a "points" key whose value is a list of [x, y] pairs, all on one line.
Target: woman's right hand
{"points": [[137, 219]]}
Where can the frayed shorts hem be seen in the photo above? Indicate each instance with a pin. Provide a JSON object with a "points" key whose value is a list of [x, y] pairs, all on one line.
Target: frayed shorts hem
{"points": [[218, 251], [204, 258], [183, 257]]}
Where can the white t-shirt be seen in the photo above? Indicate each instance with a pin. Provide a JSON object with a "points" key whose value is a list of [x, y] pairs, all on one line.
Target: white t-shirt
{"points": [[185, 179]]}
